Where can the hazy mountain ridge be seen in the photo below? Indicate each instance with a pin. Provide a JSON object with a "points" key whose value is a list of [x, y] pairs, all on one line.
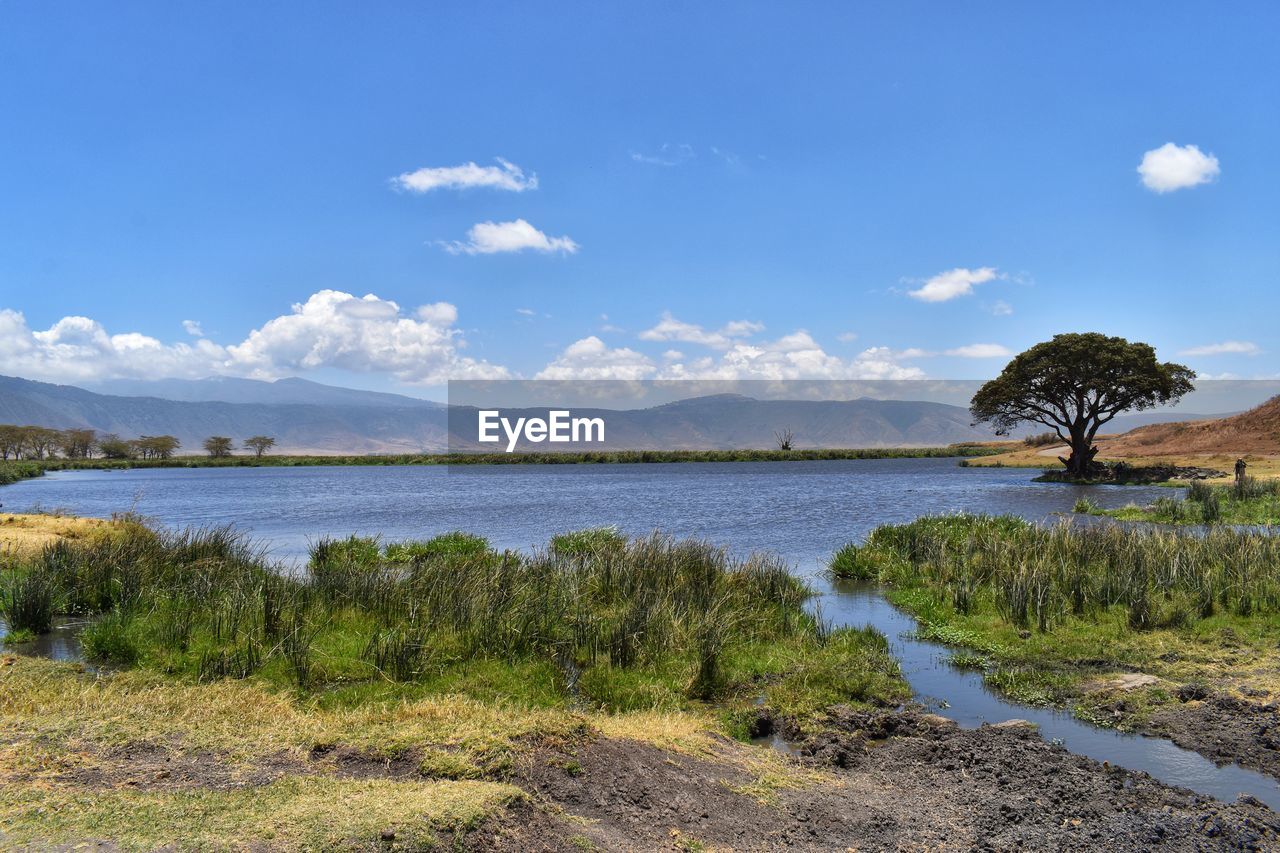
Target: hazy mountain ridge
{"points": [[307, 417]]}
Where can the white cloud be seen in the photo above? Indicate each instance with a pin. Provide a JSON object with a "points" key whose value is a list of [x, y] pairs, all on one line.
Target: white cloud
{"points": [[1225, 348], [1001, 308], [671, 329], [666, 155], [528, 312], [488, 238], [952, 284], [1171, 167], [192, 328], [592, 358], [505, 176], [847, 337], [331, 329], [980, 351], [793, 356]]}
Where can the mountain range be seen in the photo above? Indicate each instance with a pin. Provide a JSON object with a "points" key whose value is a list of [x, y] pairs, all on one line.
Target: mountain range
{"points": [[309, 417]]}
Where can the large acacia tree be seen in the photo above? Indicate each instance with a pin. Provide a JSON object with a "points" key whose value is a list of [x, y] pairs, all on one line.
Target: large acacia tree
{"points": [[1076, 383]]}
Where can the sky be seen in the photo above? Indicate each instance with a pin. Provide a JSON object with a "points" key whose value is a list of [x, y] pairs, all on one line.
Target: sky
{"points": [[391, 195]]}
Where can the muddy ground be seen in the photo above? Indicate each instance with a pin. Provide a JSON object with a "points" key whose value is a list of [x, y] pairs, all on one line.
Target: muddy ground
{"points": [[1224, 728], [889, 781], [901, 781]]}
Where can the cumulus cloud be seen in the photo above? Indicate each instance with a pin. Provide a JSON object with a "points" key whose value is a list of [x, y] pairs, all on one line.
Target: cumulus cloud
{"points": [[1172, 167], [331, 329], [504, 176], [488, 238], [193, 328], [952, 284], [671, 329], [793, 356], [1225, 348], [592, 358]]}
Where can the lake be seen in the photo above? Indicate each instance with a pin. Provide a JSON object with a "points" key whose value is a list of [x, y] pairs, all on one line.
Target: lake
{"points": [[801, 511]]}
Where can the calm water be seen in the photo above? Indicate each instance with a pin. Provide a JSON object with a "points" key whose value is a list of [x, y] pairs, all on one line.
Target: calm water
{"points": [[800, 510]]}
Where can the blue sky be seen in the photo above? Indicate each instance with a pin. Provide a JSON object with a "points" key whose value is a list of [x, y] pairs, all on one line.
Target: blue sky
{"points": [[729, 190]]}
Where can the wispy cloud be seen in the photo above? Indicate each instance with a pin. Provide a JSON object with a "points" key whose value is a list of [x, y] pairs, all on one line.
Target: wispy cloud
{"points": [[666, 155], [980, 351], [952, 284], [1172, 167], [192, 328], [847, 337], [1225, 348], [488, 238], [504, 176], [1000, 308]]}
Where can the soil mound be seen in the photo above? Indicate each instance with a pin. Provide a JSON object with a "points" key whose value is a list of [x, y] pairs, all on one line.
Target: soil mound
{"points": [[1254, 431]]}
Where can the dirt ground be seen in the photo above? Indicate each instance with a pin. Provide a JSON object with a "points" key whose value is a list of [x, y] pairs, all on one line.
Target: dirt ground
{"points": [[899, 781], [866, 781]]}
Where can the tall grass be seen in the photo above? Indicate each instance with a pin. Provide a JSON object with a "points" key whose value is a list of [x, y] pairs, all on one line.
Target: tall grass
{"points": [[207, 603], [1037, 575]]}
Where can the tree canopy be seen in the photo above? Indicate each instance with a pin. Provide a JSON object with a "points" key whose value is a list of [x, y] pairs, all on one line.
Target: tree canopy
{"points": [[1076, 383]]}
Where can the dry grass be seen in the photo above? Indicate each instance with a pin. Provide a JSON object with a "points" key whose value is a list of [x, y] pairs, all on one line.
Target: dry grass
{"points": [[1264, 467], [296, 813], [58, 723], [23, 534]]}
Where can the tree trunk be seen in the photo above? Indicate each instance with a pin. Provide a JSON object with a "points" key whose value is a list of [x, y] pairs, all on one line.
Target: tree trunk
{"points": [[1080, 464]]}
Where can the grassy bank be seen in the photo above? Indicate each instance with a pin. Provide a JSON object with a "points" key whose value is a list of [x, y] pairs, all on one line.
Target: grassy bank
{"points": [[1251, 502], [1062, 615], [14, 471], [444, 658], [1262, 466]]}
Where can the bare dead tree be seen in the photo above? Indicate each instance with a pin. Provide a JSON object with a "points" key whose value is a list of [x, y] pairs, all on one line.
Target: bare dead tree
{"points": [[785, 438]]}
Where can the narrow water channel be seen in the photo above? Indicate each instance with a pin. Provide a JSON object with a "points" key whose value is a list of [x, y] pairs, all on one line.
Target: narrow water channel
{"points": [[960, 695]]}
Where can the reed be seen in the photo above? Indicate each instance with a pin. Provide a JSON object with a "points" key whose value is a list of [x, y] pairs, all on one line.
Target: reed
{"points": [[616, 619], [1035, 575]]}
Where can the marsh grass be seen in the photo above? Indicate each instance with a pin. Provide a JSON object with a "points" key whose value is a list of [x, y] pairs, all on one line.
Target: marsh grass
{"points": [[595, 618], [1036, 575], [1248, 502]]}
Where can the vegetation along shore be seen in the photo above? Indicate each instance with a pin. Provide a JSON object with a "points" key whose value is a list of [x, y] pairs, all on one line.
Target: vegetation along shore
{"points": [[596, 694], [1140, 628]]}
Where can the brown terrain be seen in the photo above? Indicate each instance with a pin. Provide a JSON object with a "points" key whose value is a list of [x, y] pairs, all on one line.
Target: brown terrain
{"points": [[1253, 435]]}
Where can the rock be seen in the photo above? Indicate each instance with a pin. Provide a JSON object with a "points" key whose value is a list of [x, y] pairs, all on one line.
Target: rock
{"points": [[1013, 724]]}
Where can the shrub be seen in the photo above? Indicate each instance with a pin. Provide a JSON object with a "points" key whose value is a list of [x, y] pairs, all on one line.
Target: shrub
{"points": [[27, 600], [854, 563], [111, 639], [582, 543], [452, 545]]}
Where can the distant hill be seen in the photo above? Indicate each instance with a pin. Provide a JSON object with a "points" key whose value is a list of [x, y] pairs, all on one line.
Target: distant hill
{"points": [[308, 417], [226, 389], [333, 428], [1254, 431]]}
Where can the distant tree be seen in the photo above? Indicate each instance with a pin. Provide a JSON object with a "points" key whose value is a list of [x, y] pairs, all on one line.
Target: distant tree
{"points": [[259, 444], [78, 443], [10, 441], [113, 446], [156, 446], [785, 438], [40, 442], [1076, 383], [218, 446]]}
